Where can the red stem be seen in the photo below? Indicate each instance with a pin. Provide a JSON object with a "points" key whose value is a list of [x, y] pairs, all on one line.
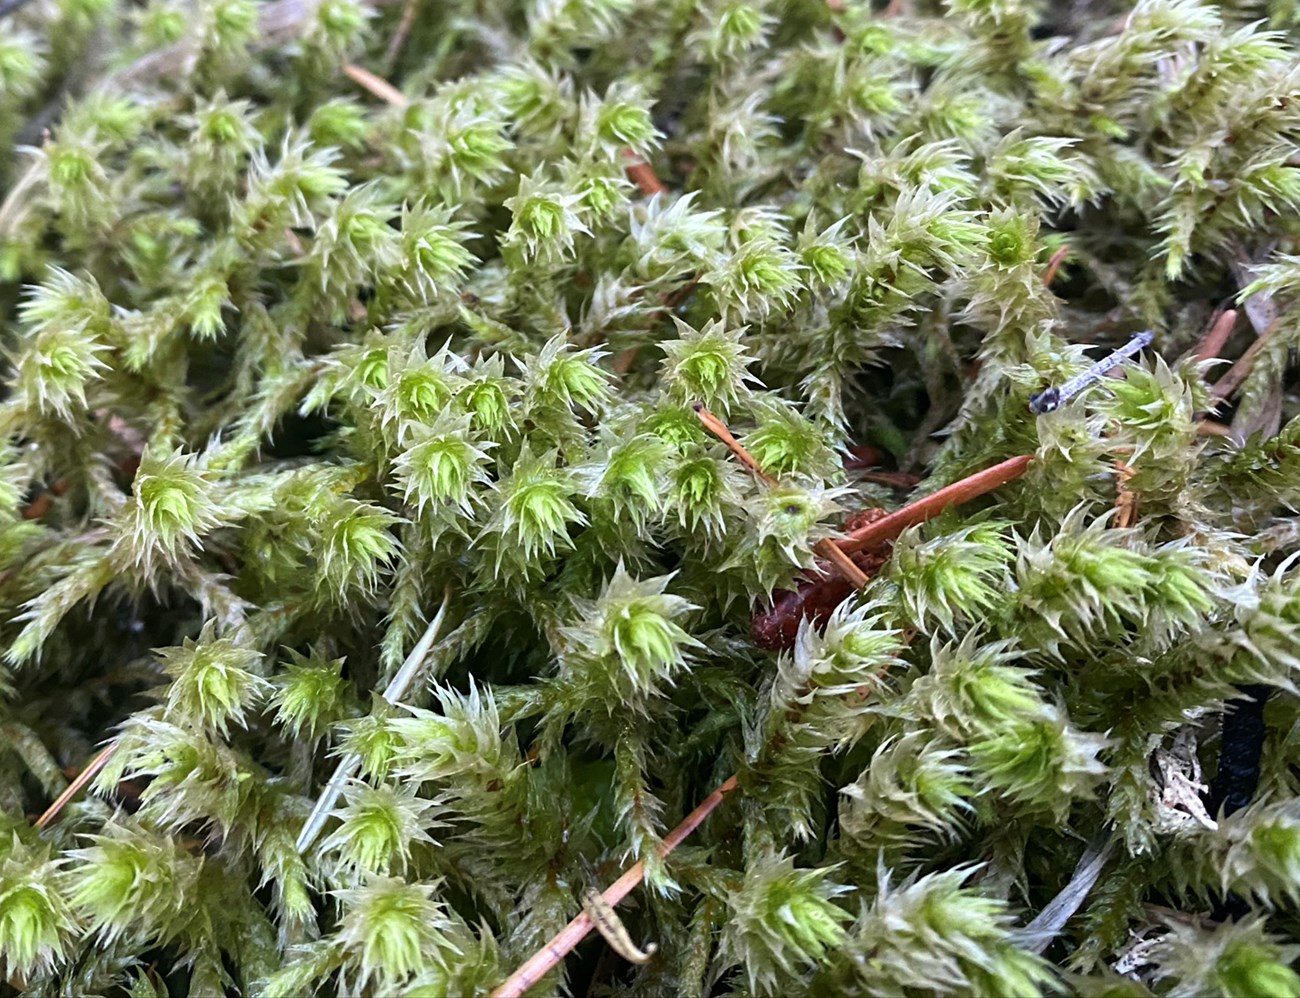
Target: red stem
{"points": [[891, 525]]}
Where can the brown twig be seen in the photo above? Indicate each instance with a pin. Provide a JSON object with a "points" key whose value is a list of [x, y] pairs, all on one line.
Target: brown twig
{"points": [[869, 532], [1239, 371], [1054, 264], [87, 774], [824, 547], [892, 524], [562, 943], [842, 562], [1213, 342], [400, 33], [643, 175], [719, 429], [624, 359], [376, 84]]}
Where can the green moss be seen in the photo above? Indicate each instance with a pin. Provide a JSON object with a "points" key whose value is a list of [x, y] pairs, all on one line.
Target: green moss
{"points": [[288, 356]]}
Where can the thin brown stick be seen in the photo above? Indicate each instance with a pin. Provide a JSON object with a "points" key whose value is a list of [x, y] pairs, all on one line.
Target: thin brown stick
{"points": [[90, 771], [400, 33], [643, 175], [719, 429], [562, 943], [890, 526], [846, 566], [1213, 342], [377, 85], [824, 547], [1239, 371], [1209, 428], [1054, 264]]}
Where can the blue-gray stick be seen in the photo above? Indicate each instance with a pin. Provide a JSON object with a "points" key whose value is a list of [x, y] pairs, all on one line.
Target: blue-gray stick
{"points": [[1054, 398]]}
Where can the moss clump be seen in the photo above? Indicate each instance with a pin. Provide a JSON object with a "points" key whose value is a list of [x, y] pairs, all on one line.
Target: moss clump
{"points": [[320, 316]]}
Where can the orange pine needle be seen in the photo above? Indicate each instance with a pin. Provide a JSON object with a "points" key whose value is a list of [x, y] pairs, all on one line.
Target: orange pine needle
{"points": [[377, 85], [1213, 342], [828, 549], [1239, 371], [891, 525], [825, 547], [553, 953], [1125, 500], [85, 776], [719, 429], [1054, 264]]}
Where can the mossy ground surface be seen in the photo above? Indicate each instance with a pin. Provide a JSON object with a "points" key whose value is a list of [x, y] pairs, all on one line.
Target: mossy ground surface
{"points": [[339, 335]]}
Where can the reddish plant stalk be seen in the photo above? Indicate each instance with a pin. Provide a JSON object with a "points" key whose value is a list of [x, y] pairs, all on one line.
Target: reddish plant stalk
{"points": [[1054, 264], [643, 175], [825, 547], [888, 527], [562, 943], [1217, 338], [85, 776], [816, 597], [376, 84], [1239, 371], [777, 627]]}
